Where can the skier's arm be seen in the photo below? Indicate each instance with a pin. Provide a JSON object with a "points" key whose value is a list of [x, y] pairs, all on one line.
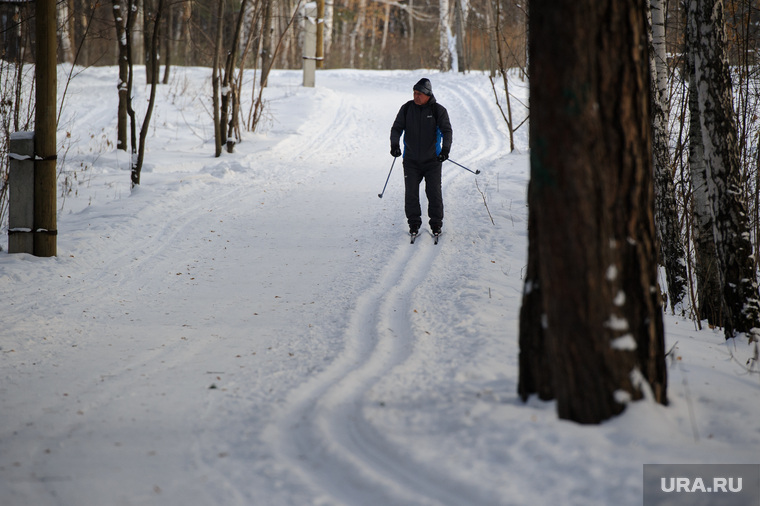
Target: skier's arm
{"points": [[398, 126]]}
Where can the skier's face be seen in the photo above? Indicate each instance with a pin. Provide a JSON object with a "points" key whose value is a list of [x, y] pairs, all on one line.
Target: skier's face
{"points": [[420, 98]]}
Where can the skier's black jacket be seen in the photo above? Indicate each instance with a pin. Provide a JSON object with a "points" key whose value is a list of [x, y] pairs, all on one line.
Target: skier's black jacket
{"points": [[426, 130]]}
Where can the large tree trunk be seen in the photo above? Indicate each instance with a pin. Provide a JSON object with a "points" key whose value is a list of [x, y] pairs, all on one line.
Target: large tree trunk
{"points": [[709, 298], [669, 236], [591, 324], [721, 152]]}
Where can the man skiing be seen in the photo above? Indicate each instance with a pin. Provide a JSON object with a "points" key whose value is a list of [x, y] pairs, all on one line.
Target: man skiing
{"points": [[427, 141]]}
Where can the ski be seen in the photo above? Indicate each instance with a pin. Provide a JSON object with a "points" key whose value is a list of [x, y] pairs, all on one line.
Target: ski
{"points": [[435, 238], [413, 236]]}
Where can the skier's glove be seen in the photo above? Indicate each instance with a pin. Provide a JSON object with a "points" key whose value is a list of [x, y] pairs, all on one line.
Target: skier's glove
{"points": [[444, 155], [395, 151]]}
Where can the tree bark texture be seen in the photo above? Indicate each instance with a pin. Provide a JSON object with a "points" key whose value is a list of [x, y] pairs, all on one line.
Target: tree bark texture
{"points": [[444, 54], [266, 44], [721, 152], [672, 254], [215, 78], [591, 331], [120, 22], [709, 297]]}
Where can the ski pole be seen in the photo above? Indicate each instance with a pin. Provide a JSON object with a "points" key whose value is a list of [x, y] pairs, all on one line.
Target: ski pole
{"points": [[388, 178], [465, 168]]}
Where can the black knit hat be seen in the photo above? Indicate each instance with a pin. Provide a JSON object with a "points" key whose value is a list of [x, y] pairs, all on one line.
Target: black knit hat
{"points": [[424, 86]]}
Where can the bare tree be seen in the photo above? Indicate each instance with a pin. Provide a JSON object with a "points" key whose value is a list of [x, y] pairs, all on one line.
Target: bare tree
{"points": [[149, 22], [156, 31], [461, 13], [124, 26], [444, 34], [356, 32], [266, 42], [215, 78], [230, 97], [591, 332], [709, 298], [64, 32], [741, 302], [124, 31], [669, 235]]}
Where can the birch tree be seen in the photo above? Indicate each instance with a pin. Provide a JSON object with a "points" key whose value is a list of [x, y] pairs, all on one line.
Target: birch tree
{"points": [[356, 32], [64, 33], [266, 42], [709, 298], [666, 215], [591, 332], [462, 9], [741, 307], [444, 34]]}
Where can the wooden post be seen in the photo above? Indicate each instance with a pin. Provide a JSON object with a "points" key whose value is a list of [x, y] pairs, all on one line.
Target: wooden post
{"points": [[310, 45], [320, 33], [21, 193], [45, 228]]}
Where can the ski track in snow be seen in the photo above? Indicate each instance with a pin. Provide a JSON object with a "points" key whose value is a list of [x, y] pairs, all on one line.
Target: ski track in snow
{"points": [[257, 329], [324, 432]]}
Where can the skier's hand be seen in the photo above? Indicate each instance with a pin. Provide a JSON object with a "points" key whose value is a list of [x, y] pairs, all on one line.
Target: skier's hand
{"points": [[444, 155], [395, 151]]}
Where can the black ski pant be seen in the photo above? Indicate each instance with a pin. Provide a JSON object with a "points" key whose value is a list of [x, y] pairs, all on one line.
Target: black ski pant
{"points": [[414, 173]]}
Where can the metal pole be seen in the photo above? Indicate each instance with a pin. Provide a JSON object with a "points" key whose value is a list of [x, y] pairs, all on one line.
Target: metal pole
{"points": [[388, 178], [465, 168]]}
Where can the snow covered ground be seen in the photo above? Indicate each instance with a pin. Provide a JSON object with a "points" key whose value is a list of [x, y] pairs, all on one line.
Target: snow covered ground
{"points": [[256, 329]]}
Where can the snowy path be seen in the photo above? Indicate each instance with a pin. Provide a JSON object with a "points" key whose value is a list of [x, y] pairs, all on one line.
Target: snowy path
{"points": [[325, 431], [257, 330]]}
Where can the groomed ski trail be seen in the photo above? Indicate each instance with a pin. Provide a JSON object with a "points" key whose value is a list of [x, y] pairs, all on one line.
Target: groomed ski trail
{"points": [[326, 434], [324, 431]]}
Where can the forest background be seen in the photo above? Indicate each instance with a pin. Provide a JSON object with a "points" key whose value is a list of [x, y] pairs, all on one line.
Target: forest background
{"points": [[448, 35]]}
